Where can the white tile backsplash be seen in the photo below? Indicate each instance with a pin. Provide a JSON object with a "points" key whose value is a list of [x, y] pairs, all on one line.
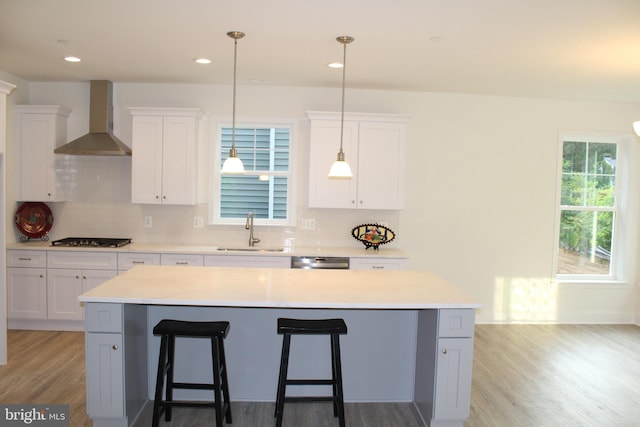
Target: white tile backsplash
{"points": [[100, 190]]}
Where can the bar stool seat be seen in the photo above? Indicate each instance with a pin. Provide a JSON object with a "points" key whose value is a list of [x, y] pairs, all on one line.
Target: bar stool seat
{"points": [[216, 332], [332, 327]]}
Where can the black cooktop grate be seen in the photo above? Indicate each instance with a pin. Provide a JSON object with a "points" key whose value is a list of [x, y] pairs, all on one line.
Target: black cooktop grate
{"points": [[91, 242]]}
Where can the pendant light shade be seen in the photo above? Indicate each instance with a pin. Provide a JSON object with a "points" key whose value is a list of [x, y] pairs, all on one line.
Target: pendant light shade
{"points": [[233, 164], [340, 169], [636, 127]]}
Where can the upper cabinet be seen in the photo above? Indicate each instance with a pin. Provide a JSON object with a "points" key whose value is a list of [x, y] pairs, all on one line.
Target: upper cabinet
{"points": [[164, 149], [374, 147], [40, 129]]}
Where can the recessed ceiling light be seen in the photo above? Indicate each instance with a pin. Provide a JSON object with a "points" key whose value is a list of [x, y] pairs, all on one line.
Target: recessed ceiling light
{"points": [[72, 59], [335, 65], [202, 60]]}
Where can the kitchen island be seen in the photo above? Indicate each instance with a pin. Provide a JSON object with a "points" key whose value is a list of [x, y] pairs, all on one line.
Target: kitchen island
{"points": [[410, 335]]}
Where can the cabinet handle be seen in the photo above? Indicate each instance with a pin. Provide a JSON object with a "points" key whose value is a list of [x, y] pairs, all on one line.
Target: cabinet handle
{"points": [[444, 351], [41, 276], [49, 194], [115, 346], [353, 202], [182, 263], [377, 267], [84, 277], [157, 197], [24, 259], [360, 201], [164, 197], [137, 262]]}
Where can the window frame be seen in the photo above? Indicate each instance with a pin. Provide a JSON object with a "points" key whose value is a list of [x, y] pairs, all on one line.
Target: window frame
{"points": [[616, 262], [216, 176]]}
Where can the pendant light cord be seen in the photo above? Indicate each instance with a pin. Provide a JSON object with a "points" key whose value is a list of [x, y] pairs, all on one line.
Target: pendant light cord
{"points": [[344, 74], [233, 116]]}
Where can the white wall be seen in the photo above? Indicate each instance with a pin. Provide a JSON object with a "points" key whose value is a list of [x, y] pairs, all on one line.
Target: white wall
{"points": [[481, 179]]}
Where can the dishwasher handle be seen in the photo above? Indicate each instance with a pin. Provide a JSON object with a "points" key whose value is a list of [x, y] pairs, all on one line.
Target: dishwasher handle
{"points": [[313, 263]]}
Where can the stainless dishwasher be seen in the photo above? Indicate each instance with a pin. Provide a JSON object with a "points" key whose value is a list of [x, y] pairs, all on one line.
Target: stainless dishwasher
{"points": [[320, 262]]}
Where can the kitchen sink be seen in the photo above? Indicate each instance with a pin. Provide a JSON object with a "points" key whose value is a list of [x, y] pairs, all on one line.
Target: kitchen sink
{"points": [[251, 249]]}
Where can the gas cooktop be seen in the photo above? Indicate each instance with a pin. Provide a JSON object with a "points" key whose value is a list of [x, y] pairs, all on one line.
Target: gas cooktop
{"points": [[91, 242]]}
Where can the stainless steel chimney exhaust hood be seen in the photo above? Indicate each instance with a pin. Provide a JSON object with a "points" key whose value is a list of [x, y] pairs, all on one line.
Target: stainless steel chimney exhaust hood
{"points": [[100, 141]]}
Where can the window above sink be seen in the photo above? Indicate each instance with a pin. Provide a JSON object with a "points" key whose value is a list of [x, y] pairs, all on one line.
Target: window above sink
{"points": [[266, 187]]}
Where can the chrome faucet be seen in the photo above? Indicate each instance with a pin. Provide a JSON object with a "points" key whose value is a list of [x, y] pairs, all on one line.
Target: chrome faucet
{"points": [[249, 226]]}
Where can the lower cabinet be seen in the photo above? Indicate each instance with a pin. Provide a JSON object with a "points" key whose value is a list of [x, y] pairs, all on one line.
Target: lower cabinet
{"points": [[105, 375], [66, 285], [247, 261], [443, 370], [26, 293], [116, 359], [26, 284]]}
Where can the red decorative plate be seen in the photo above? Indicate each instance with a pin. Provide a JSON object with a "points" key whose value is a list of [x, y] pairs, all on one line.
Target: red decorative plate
{"points": [[34, 220], [373, 235]]}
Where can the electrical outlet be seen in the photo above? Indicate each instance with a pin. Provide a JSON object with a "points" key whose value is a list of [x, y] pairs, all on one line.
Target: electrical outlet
{"points": [[148, 221], [198, 222], [308, 223]]}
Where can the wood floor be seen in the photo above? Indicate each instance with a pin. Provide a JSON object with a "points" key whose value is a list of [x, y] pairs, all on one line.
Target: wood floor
{"points": [[523, 375]]}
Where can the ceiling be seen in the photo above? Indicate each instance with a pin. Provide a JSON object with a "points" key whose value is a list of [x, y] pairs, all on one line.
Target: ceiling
{"points": [[568, 49]]}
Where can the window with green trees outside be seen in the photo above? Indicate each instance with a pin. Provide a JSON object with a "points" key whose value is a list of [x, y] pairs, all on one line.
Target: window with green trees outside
{"points": [[588, 208]]}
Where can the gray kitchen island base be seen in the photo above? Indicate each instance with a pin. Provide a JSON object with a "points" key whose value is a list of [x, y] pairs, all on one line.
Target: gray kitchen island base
{"points": [[419, 356], [410, 336]]}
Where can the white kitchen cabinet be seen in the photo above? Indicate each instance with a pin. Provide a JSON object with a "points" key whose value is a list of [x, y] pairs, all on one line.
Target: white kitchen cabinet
{"points": [[182, 259], [164, 151], [129, 260], [64, 286], [26, 284], [70, 274], [374, 147], [377, 263], [247, 261], [26, 293], [39, 130], [443, 371]]}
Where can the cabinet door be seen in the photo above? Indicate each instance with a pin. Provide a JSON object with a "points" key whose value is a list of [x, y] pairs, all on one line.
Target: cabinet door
{"points": [[93, 278], [64, 286], [146, 160], [26, 293], [324, 147], [39, 130], [104, 375], [453, 379], [179, 161], [381, 165], [37, 173]]}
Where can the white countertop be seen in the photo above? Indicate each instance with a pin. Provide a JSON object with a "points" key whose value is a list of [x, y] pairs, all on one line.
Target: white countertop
{"points": [[280, 288], [357, 251]]}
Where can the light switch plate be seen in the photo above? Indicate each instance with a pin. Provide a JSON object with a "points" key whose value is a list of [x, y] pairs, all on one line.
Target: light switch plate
{"points": [[198, 222], [148, 221]]}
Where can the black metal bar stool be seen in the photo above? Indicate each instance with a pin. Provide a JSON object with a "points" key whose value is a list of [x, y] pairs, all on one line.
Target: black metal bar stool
{"points": [[332, 327], [169, 330]]}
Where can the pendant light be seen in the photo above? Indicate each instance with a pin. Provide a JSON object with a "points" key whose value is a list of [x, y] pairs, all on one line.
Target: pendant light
{"points": [[340, 169], [636, 127], [233, 164]]}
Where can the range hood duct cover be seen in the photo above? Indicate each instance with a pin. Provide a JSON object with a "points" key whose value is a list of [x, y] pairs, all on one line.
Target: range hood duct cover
{"points": [[100, 141]]}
